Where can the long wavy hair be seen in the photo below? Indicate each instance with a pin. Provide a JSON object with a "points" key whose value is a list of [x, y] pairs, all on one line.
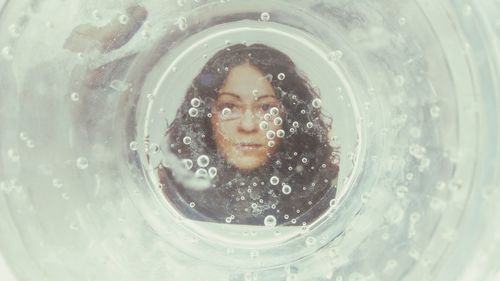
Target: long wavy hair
{"points": [[305, 158]]}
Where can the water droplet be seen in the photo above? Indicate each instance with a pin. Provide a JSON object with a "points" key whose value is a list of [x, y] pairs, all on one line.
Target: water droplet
{"points": [[154, 148], [82, 163], [281, 76], [182, 23], [192, 204], [188, 163], [270, 143], [123, 19], [212, 172], [265, 16], [228, 219], [295, 124], [309, 125], [286, 189], [270, 221], [201, 173], [274, 180], [267, 116], [186, 140], [203, 161], [75, 96], [304, 160], [316, 103], [270, 135], [133, 145], [264, 125], [195, 102], [193, 112], [278, 121], [280, 133], [30, 144]]}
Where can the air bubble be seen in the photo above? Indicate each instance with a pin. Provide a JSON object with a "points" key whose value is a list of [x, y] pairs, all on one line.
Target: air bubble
{"points": [[201, 173], [280, 133], [310, 241], [402, 21], [304, 160], [281, 76], [154, 148], [270, 221], [82, 163], [188, 163], [193, 112], [119, 86], [316, 103], [335, 55], [226, 111], [286, 189], [274, 180], [264, 125], [186, 140], [270, 143], [295, 124], [7, 53], [435, 111], [195, 102], [278, 121], [123, 19], [269, 78], [212, 172], [192, 204], [274, 111], [203, 161], [182, 23], [265, 16], [75, 96], [270, 135], [309, 125]]}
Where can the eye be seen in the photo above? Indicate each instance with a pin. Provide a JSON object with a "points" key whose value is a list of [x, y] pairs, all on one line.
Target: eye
{"points": [[226, 105]]}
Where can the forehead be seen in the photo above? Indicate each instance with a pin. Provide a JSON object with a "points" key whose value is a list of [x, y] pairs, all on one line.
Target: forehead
{"points": [[247, 81]]}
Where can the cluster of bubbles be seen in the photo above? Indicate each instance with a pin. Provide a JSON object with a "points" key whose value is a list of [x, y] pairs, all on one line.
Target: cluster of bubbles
{"points": [[195, 103], [202, 172]]}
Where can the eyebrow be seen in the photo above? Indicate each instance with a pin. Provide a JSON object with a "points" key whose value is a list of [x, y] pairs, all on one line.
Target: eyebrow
{"points": [[238, 97]]}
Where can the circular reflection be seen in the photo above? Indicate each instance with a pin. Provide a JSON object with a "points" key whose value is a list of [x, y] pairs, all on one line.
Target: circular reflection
{"points": [[246, 98]]}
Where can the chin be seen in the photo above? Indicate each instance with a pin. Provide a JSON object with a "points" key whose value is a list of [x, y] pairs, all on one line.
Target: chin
{"points": [[247, 163]]}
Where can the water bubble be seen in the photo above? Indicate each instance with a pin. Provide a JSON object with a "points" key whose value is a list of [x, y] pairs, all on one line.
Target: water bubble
{"points": [[195, 102], [270, 143], [286, 216], [201, 173], [316, 103], [402, 21], [274, 180], [186, 140], [188, 163], [75, 96], [264, 125], [280, 133], [274, 111], [133, 145], [270, 135], [30, 144], [226, 111], [212, 172], [435, 111], [278, 121], [182, 23], [270, 221], [192, 204], [82, 163], [193, 112], [292, 130], [286, 189], [203, 161], [267, 116], [229, 219], [255, 93], [309, 125], [57, 183], [281, 76], [123, 19], [295, 124], [265, 16]]}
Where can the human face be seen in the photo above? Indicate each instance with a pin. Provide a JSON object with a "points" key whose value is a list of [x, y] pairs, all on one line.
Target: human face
{"points": [[247, 118]]}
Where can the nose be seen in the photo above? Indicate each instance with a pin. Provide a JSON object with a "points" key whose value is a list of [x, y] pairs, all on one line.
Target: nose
{"points": [[248, 122]]}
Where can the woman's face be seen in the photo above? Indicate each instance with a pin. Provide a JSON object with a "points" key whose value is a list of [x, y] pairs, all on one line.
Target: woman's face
{"points": [[247, 118]]}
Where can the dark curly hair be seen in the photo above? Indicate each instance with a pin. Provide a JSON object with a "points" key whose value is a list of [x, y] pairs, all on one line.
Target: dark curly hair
{"points": [[304, 159]]}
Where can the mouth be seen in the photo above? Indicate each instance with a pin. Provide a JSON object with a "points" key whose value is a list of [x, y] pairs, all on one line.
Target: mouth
{"points": [[248, 146]]}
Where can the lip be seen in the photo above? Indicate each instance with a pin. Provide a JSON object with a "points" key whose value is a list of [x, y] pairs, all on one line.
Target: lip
{"points": [[248, 146]]}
